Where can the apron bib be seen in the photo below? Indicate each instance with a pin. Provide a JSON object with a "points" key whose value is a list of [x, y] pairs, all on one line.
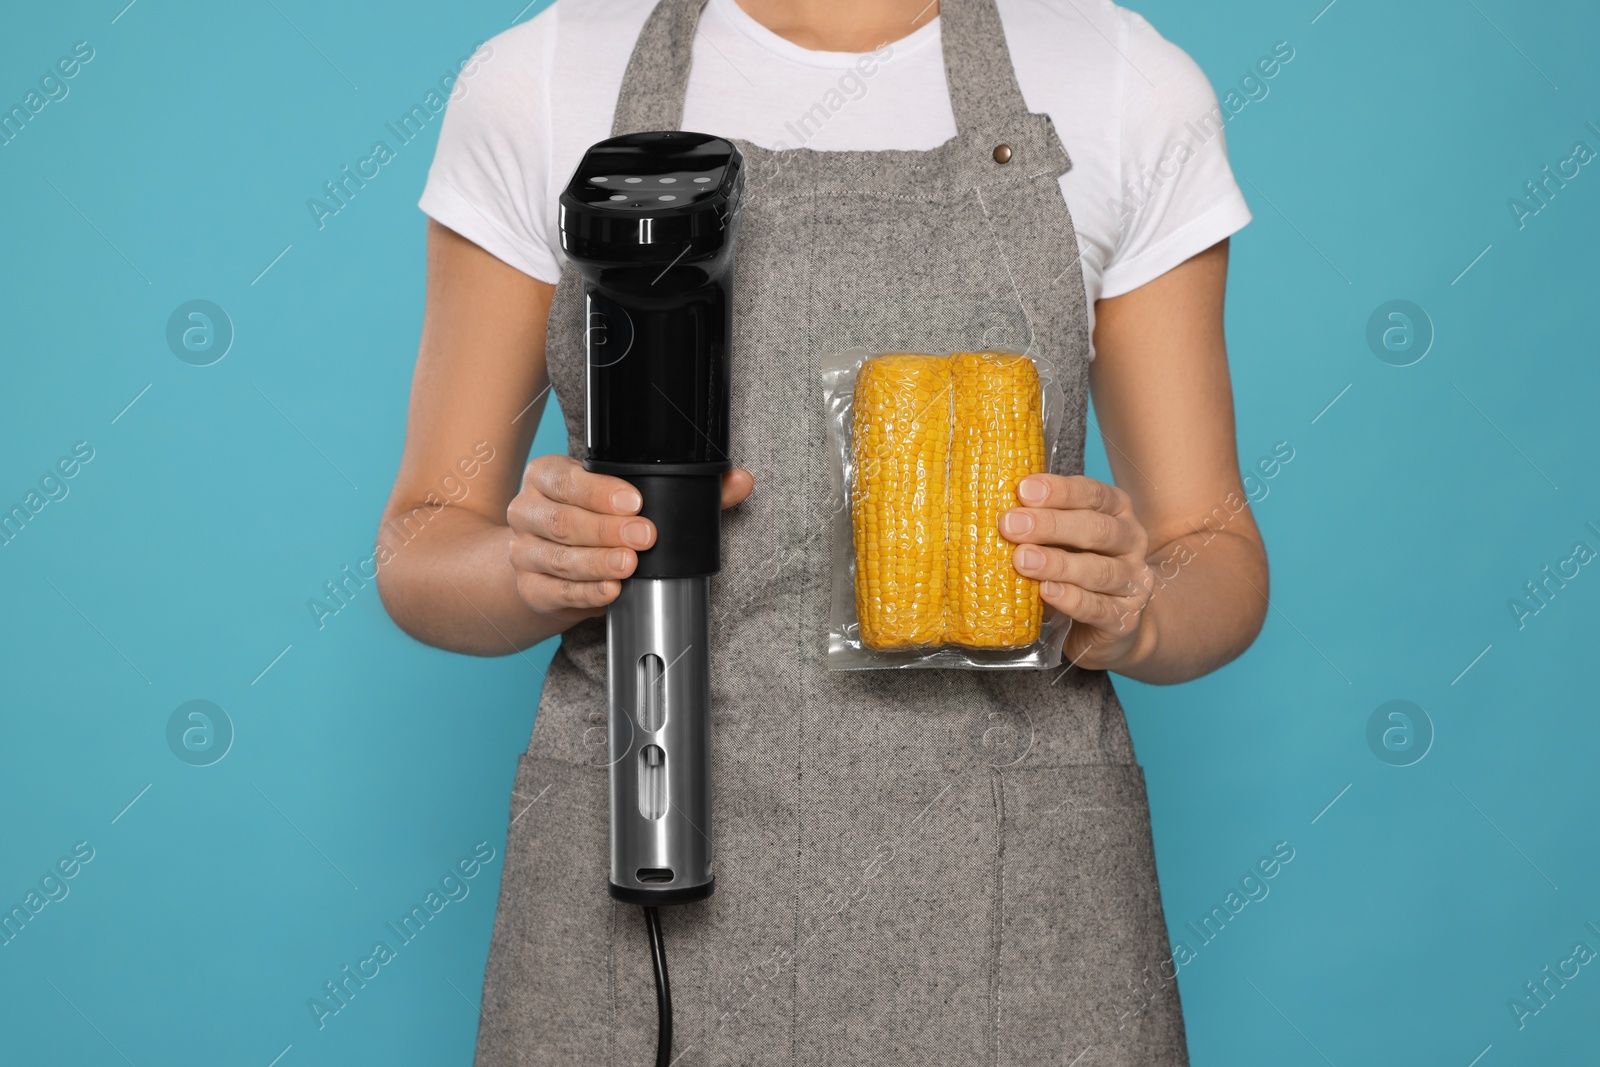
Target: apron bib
{"points": [[913, 866]]}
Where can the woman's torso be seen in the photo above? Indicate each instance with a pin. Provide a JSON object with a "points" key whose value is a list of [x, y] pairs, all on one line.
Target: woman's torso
{"points": [[912, 865]]}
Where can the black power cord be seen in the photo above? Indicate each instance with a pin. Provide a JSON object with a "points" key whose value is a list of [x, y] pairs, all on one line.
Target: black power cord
{"points": [[658, 956]]}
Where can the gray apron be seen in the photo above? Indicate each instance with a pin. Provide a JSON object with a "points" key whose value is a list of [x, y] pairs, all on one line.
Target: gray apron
{"points": [[913, 866]]}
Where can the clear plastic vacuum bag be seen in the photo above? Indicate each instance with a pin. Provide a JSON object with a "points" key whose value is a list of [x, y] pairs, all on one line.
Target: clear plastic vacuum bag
{"points": [[929, 449]]}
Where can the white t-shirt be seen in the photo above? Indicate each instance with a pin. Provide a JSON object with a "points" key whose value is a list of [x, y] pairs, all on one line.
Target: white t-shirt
{"points": [[1149, 186]]}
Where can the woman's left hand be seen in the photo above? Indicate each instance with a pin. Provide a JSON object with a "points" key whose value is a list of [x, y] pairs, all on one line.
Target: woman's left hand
{"points": [[1080, 538]]}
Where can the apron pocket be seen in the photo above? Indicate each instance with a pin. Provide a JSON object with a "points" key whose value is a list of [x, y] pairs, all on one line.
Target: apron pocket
{"points": [[546, 991], [1082, 942]]}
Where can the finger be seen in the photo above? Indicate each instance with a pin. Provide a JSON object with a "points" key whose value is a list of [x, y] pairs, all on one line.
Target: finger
{"points": [[736, 486], [1087, 570], [563, 479], [571, 525], [1092, 531], [1112, 614], [570, 561], [1073, 491], [565, 593]]}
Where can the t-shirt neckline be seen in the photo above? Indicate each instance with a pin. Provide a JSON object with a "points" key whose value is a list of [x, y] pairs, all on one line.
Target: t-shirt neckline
{"points": [[745, 23]]}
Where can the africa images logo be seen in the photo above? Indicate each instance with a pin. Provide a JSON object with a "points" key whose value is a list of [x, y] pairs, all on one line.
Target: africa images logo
{"points": [[454, 886], [339, 191]]}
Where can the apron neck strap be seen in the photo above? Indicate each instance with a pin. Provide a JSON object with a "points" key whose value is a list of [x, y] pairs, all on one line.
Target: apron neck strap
{"points": [[983, 85], [977, 65], [653, 87]]}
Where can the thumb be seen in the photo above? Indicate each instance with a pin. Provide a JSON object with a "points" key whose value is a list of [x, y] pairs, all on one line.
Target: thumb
{"points": [[736, 485]]}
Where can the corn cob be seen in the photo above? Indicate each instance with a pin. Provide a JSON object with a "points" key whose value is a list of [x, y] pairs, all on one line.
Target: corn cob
{"points": [[900, 438], [997, 439]]}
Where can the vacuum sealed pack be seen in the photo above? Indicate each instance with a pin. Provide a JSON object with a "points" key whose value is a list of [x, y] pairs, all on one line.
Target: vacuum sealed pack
{"points": [[929, 449]]}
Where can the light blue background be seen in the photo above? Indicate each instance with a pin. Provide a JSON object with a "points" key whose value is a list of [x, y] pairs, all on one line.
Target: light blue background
{"points": [[364, 765]]}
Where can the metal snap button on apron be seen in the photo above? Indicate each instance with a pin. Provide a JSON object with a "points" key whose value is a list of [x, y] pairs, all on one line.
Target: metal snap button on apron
{"points": [[913, 866]]}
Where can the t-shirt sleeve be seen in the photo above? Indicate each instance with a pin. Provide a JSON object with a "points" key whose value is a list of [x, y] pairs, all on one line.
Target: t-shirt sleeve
{"points": [[1178, 195], [490, 174]]}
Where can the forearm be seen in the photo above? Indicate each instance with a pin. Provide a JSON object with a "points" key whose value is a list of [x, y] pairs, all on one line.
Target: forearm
{"points": [[446, 579], [1208, 605]]}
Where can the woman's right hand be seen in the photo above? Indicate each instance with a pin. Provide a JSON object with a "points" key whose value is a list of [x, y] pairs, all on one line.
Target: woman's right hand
{"points": [[577, 534]]}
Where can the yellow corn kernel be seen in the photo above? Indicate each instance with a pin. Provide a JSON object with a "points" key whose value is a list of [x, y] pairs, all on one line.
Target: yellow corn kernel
{"points": [[997, 439], [900, 442]]}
